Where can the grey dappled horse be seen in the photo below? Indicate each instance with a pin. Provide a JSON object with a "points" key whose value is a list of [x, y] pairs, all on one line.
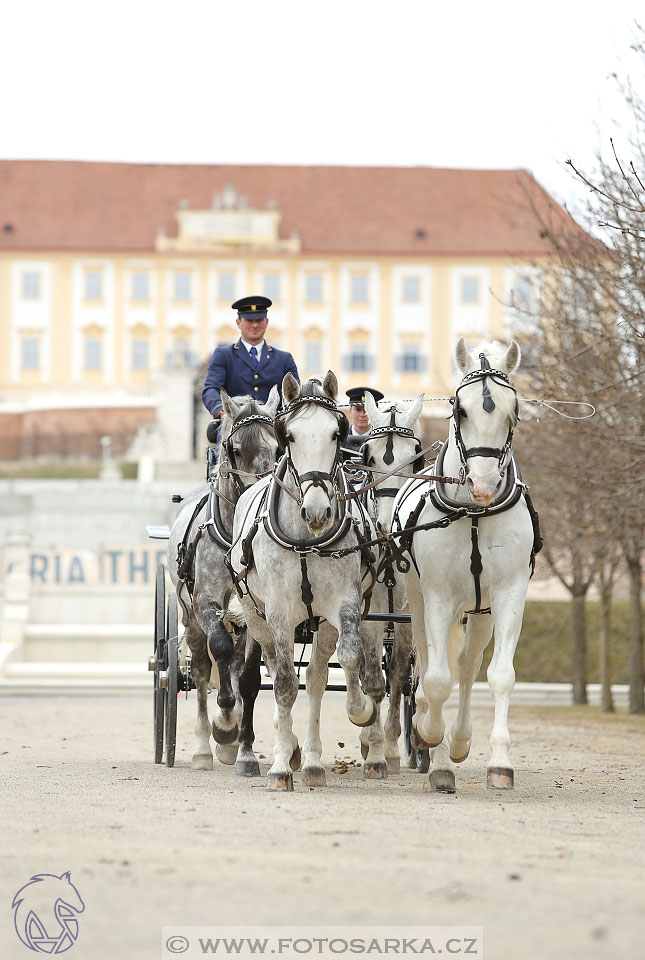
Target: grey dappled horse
{"points": [[476, 569], [231, 665], [308, 514]]}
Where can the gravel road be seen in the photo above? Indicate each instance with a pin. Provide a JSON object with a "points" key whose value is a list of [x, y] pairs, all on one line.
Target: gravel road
{"points": [[555, 869]]}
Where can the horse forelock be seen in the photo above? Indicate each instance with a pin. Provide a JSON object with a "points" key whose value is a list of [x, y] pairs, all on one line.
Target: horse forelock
{"points": [[504, 398], [312, 388]]}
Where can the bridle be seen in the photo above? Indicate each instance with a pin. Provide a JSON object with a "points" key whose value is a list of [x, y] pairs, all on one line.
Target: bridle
{"points": [[390, 431], [314, 478], [228, 463], [502, 379]]}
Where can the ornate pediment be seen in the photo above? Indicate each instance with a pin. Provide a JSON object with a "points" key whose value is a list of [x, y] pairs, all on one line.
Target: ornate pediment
{"points": [[230, 225]]}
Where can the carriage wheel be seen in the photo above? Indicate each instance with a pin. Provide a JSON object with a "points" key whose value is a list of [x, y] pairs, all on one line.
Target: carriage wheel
{"points": [[172, 678], [409, 706], [158, 661]]}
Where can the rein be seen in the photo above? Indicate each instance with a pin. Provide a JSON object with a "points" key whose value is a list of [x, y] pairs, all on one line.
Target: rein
{"points": [[394, 473]]}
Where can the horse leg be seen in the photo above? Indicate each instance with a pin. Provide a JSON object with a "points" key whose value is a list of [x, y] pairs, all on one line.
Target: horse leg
{"points": [[501, 680], [249, 686], [373, 736], [201, 671], [477, 638], [313, 771], [399, 672], [361, 709], [441, 776], [437, 679], [225, 728], [270, 661], [285, 689], [416, 607]]}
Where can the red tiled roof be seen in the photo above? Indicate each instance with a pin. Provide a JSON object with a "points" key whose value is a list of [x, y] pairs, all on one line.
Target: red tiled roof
{"points": [[69, 205]]}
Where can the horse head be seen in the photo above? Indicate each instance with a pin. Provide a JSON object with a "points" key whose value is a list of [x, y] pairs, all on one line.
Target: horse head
{"points": [[248, 440], [485, 413], [312, 430], [391, 443]]}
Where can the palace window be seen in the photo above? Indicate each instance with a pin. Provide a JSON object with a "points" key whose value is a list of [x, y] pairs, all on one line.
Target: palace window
{"points": [[140, 354], [272, 286], [140, 286], [313, 355], [30, 353], [226, 286], [31, 286], [313, 288], [93, 353], [93, 285], [411, 290], [358, 359], [410, 360], [469, 289], [358, 289], [181, 288]]}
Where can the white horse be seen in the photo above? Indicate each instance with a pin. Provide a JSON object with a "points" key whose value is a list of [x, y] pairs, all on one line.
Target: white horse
{"points": [[391, 443], [287, 536], [476, 571]]}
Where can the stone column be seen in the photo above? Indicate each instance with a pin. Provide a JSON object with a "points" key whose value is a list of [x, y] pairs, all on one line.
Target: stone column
{"points": [[15, 608]]}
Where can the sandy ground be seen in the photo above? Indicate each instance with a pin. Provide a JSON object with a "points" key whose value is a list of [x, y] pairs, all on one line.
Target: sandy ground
{"points": [[555, 869]]}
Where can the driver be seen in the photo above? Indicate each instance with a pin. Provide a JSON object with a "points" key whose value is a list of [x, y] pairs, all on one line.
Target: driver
{"points": [[360, 428]]}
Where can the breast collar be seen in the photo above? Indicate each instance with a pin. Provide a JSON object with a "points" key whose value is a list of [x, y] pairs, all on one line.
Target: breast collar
{"points": [[509, 496]]}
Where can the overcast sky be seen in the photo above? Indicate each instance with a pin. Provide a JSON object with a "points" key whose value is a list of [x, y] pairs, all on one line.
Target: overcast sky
{"points": [[460, 83]]}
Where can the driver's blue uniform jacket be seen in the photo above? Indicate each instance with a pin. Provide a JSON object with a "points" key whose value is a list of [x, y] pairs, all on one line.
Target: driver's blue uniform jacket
{"points": [[231, 367]]}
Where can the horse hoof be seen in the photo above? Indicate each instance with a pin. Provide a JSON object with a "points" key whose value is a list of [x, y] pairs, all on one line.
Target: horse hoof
{"points": [[500, 778], [417, 740], [393, 765], [202, 761], [224, 736], [375, 771], [296, 759], [443, 781], [280, 781], [226, 753], [460, 759], [364, 751], [423, 761], [247, 768], [372, 718], [314, 777]]}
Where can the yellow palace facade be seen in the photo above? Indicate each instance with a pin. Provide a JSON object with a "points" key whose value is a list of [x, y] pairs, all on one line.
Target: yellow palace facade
{"points": [[110, 274]]}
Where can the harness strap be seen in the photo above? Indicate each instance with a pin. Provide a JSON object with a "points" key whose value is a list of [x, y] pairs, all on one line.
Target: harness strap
{"points": [[476, 567], [306, 593], [186, 551]]}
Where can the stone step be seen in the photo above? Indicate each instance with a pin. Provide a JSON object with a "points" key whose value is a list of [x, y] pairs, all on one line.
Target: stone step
{"points": [[85, 642]]}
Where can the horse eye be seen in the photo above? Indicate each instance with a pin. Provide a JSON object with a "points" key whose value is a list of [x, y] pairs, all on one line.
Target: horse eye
{"points": [[463, 414], [371, 462]]}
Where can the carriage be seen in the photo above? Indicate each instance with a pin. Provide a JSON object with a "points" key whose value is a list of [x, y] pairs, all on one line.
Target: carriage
{"points": [[277, 551]]}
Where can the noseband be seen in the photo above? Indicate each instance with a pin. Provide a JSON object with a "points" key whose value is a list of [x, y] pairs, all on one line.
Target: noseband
{"points": [[488, 404], [315, 478]]}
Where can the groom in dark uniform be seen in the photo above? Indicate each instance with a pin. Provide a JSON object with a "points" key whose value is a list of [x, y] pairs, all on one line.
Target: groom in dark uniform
{"points": [[249, 367]]}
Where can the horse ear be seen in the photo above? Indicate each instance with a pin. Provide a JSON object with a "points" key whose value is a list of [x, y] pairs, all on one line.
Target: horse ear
{"points": [[330, 384], [227, 404], [273, 400], [462, 358], [290, 388], [371, 408], [512, 357], [414, 412]]}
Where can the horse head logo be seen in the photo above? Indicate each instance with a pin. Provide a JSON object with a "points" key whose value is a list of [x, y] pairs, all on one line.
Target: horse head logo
{"points": [[45, 913]]}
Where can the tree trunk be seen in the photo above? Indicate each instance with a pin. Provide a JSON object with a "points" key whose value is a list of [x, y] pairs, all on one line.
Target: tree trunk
{"points": [[579, 649], [606, 585], [636, 671]]}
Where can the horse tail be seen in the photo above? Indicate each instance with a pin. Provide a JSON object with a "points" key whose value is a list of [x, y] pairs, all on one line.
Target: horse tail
{"points": [[455, 644]]}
